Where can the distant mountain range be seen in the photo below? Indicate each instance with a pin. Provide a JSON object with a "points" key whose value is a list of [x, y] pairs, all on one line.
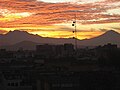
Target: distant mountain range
{"points": [[14, 40], [17, 36]]}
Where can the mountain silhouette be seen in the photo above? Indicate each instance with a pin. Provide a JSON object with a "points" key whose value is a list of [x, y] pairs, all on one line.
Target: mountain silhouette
{"points": [[110, 36], [25, 45], [16, 39], [13, 37], [1, 35]]}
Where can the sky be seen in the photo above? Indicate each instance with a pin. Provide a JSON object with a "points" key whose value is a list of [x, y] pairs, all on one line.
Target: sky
{"points": [[54, 18]]}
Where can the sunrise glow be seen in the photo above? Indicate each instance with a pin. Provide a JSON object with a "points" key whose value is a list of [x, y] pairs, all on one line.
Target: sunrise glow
{"points": [[53, 18]]}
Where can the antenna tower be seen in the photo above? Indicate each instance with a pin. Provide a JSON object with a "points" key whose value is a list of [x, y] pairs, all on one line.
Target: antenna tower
{"points": [[75, 31]]}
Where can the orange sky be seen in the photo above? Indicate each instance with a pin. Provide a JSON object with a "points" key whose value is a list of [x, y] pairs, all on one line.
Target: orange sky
{"points": [[53, 18]]}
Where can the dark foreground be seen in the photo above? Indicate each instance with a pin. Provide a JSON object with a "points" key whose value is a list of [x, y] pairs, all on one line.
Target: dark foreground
{"points": [[29, 79], [61, 68]]}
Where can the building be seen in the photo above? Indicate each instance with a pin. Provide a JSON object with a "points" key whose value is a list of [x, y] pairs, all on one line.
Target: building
{"points": [[46, 50]]}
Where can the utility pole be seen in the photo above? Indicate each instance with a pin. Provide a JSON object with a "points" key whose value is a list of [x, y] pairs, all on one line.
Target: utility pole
{"points": [[75, 31]]}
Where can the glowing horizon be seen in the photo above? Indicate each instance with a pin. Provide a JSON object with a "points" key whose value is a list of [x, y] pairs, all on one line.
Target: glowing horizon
{"points": [[54, 18]]}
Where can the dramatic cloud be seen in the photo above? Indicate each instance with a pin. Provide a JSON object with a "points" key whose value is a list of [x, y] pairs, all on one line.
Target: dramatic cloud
{"points": [[58, 15], [56, 1]]}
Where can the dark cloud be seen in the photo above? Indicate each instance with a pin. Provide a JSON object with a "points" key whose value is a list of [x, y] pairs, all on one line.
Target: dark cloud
{"points": [[103, 30], [116, 28]]}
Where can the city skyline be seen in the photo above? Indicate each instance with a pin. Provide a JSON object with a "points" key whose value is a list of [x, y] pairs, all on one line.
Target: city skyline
{"points": [[54, 18]]}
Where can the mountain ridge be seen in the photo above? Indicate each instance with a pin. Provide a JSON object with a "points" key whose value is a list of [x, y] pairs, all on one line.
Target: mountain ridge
{"points": [[14, 38], [107, 37]]}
